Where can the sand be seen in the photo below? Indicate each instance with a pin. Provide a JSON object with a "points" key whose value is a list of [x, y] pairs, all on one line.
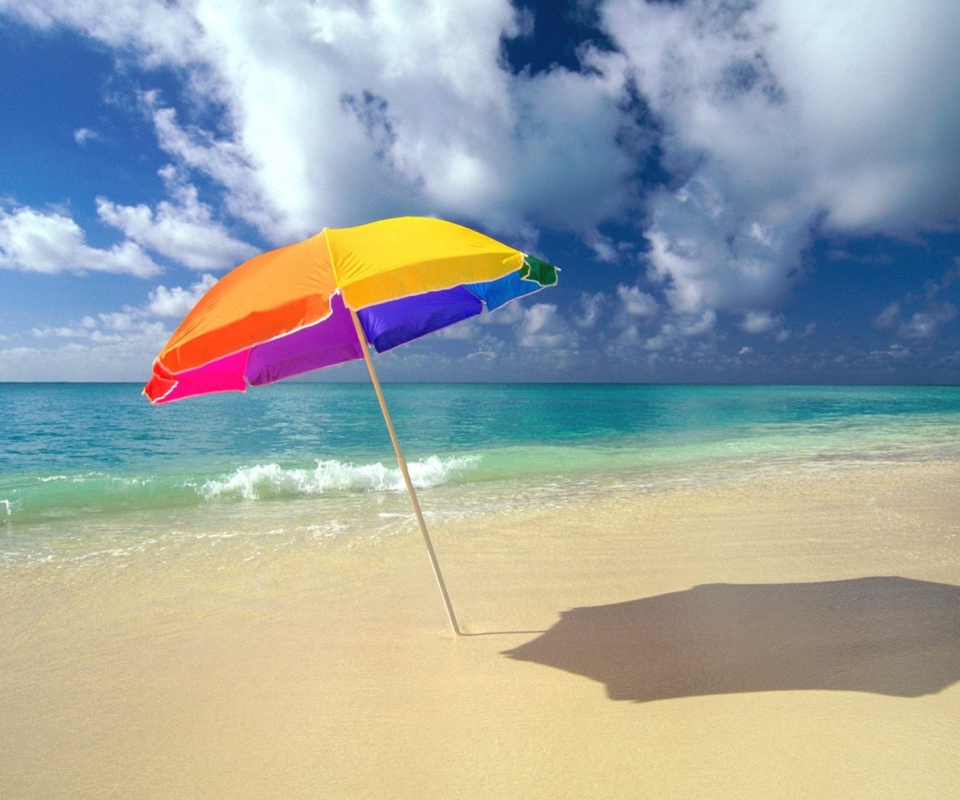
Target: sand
{"points": [[781, 637]]}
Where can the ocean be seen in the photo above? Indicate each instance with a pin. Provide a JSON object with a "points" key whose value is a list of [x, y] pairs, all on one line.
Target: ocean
{"points": [[91, 471]]}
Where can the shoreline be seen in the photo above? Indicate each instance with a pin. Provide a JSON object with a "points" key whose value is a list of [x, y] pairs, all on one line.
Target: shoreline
{"points": [[293, 670]]}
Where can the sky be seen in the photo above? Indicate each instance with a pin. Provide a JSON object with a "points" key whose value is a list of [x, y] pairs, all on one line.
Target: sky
{"points": [[735, 190]]}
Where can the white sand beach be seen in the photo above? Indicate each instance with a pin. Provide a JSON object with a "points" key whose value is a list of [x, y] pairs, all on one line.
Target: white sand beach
{"points": [[794, 636]]}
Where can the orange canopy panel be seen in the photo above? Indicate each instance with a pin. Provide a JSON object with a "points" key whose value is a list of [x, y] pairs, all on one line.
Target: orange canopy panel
{"points": [[269, 295]]}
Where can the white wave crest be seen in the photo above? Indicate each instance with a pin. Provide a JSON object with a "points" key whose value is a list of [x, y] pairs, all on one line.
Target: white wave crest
{"points": [[272, 480], [5, 504]]}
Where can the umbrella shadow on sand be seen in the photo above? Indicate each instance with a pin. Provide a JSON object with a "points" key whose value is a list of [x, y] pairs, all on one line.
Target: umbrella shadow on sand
{"points": [[886, 635]]}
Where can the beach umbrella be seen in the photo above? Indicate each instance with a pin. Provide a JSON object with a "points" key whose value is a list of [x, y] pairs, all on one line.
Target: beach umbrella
{"points": [[329, 298]]}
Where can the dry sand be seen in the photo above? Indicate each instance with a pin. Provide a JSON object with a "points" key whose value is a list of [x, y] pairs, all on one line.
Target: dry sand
{"points": [[784, 637]]}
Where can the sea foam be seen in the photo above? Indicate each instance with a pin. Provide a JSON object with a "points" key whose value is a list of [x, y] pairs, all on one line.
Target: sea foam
{"points": [[272, 480]]}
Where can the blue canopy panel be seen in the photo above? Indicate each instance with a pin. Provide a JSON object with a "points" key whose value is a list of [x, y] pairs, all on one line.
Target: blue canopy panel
{"points": [[496, 293], [407, 318]]}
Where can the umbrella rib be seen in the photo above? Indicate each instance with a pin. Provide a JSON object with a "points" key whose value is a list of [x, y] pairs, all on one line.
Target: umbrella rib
{"points": [[402, 463]]}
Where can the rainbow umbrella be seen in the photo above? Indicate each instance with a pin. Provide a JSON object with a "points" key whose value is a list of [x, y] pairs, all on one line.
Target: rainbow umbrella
{"points": [[327, 299]]}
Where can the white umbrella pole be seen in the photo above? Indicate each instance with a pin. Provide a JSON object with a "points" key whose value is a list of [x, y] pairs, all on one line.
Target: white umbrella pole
{"points": [[402, 462]]}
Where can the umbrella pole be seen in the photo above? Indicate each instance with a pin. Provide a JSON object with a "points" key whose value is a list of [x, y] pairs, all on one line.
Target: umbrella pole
{"points": [[402, 462]]}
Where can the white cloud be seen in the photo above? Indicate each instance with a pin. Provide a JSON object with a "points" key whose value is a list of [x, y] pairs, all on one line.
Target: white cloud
{"points": [[110, 327], [603, 246], [661, 341], [177, 301], [590, 305], [340, 112], [509, 314], [785, 115], [116, 360], [462, 331], [545, 329], [184, 232], [64, 332], [636, 303], [707, 251], [83, 135], [697, 325], [51, 243], [112, 345], [228, 163], [174, 302], [760, 322], [889, 317], [926, 323], [674, 333], [895, 352]]}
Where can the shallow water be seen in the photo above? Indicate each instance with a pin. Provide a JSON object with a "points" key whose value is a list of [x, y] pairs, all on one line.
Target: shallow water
{"points": [[93, 469]]}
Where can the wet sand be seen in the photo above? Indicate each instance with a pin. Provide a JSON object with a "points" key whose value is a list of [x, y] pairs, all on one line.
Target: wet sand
{"points": [[794, 636]]}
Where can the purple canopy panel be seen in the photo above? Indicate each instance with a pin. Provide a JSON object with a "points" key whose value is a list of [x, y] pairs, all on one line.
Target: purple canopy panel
{"points": [[407, 318], [330, 341]]}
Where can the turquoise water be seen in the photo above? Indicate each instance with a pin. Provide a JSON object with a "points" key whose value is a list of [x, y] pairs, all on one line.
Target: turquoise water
{"points": [[73, 457]]}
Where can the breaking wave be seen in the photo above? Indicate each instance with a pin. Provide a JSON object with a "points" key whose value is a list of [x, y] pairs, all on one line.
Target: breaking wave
{"points": [[272, 480]]}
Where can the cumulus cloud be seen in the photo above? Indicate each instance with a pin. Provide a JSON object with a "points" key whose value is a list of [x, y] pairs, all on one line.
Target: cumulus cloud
{"points": [[635, 303], [51, 243], [590, 306], [603, 247], [888, 318], [697, 325], [177, 301], [339, 112], [932, 311], [709, 253], [184, 231], [760, 322], [673, 334], [544, 328], [922, 324], [780, 116]]}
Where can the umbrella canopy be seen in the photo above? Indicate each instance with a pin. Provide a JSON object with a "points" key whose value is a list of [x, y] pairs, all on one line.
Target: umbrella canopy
{"points": [[288, 311], [325, 300]]}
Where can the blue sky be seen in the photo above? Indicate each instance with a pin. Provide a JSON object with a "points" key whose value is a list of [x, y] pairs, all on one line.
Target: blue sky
{"points": [[762, 191]]}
